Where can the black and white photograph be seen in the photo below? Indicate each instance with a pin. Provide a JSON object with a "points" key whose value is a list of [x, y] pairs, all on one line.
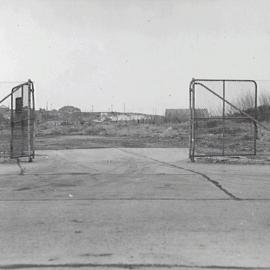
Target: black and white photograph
{"points": [[135, 134]]}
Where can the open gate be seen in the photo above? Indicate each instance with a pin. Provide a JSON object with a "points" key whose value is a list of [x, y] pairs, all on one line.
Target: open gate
{"points": [[223, 118], [17, 129]]}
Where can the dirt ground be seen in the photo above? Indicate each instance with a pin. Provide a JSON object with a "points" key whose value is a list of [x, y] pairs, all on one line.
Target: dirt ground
{"points": [[239, 138], [128, 208], [61, 142], [112, 134]]}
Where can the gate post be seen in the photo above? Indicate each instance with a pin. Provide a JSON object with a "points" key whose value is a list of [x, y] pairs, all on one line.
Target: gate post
{"points": [[29, 122], [11, 125], [192, 119]]}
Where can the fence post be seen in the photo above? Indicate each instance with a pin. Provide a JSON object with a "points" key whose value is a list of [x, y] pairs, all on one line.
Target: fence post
{"points": [[29, 121], [192, 119]]}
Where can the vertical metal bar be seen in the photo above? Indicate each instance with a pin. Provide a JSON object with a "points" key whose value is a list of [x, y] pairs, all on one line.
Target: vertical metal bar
{"points": [[223, 119], [193, 123], [255, 116], [33, 119], [28, 122], [11, 125], [22, 123], [190, 120]]}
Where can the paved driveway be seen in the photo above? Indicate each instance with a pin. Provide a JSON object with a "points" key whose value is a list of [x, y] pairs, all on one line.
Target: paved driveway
{"points": [[133, 208]]}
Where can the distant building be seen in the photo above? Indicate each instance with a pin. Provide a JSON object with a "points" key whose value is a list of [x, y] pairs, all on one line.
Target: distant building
{"points": [[117, 116], [202, 113], [183, 115], [69, 109]]}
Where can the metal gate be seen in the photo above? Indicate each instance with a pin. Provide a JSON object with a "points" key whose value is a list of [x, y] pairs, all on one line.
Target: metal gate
{"points": [[223, 118], [17, 131]]}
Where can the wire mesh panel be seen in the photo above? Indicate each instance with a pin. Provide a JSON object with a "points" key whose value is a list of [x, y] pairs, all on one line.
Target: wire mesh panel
{"points": [[223, 118], [22, 121], [17, 122]]}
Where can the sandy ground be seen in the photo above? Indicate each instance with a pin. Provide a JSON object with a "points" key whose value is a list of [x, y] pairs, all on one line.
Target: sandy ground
{"points": [[133, 209]]}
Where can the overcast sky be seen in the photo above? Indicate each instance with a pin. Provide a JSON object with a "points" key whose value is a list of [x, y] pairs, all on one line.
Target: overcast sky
{"points": [[134, 52]]}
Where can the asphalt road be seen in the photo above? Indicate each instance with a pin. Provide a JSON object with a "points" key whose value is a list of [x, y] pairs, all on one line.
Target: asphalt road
{"points": [[133, 209]]}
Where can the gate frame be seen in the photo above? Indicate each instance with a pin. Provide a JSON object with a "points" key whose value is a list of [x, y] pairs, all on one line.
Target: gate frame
{"points": [[30, 113], [193, 117]]}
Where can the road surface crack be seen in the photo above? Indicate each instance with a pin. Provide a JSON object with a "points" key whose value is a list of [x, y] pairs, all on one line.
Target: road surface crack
{"points": [[207, 178]]}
